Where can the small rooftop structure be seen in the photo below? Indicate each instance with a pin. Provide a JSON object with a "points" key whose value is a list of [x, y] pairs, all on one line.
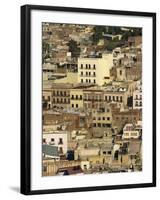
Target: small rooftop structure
{"points": [[49, 150], [128, 127]]}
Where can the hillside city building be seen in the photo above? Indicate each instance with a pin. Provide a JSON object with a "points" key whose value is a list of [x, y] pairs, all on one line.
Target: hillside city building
{"points": [[92, 99]]}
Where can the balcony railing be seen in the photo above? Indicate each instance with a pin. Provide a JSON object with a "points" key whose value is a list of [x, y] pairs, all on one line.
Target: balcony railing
{"points": [[87, 75], [91, 68], [99, 100]]}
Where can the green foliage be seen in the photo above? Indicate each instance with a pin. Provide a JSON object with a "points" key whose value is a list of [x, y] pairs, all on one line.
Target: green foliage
{"points": [[112, 45], [74, 48], [45, 47], [45, 51], [132, 32], [98, 33], [114, 30]]}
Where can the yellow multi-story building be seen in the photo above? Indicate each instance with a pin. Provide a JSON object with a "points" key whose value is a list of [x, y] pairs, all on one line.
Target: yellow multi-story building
{"points": [[76, 98], [77, 95], [95, 70]]}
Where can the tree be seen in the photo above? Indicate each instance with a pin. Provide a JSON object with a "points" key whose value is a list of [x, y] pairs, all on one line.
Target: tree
{"points": [[98, 33], [74, 48], [45, 51], [112, 45], [114, 30]]}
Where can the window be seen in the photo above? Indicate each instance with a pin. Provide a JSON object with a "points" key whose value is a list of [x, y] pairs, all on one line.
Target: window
{"points": [[80, 96], [60, 150], [53, 93], [109, 152], [117, 98], [106, 98], [86, 73], [109, 98], [81, 73], [86, 80], [108, 118], [72, 105], [89, 73], [94, 66], [72, 97], [81, 80], [76, 96], [113, 98], [120, 98], [99, 124], [60, 141], [89, 80], [99, 118], [61, 93], [86, 66], [120, 72], [89, 66], [94, 81], [104, 152], [52, 139], [44, 168], [76, 105], [64, 100], [44, 140], [94, 73], [134, 134], [53, 100], [81, 66], [103, 118], [64, 93], [57, 93], [85, 167], [48, 98]]}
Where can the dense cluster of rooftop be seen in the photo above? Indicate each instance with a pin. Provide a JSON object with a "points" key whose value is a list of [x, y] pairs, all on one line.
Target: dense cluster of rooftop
{"points": [[91, 99]]}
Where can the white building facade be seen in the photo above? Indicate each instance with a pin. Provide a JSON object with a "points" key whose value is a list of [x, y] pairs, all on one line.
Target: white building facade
{"points": [[95, 70], [57, 138], [129, 132], [137, 98]]}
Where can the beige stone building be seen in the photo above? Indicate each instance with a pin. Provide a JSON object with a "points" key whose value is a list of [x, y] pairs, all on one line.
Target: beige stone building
{"points": [[61, 95]]}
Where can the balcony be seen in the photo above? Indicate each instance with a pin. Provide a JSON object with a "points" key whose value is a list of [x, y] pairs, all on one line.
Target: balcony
{"points": [[96, 100], [87, 75]]}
